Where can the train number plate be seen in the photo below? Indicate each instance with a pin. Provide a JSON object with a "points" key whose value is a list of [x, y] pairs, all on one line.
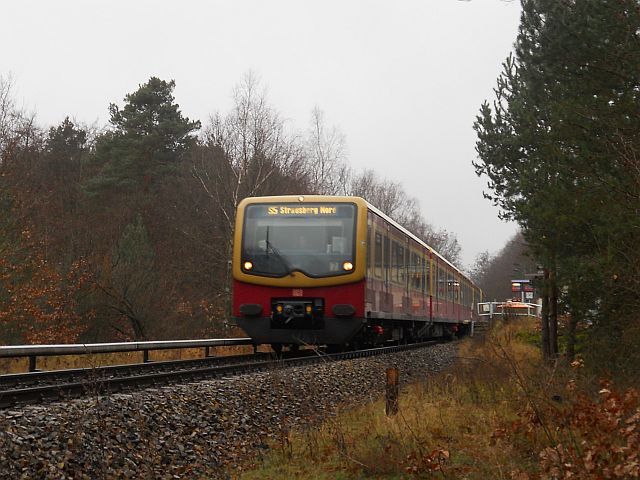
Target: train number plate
{"points": [[297, 292]]}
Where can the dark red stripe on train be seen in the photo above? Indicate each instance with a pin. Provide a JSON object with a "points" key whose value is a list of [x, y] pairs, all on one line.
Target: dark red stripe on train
{"points": [[352, 293]]}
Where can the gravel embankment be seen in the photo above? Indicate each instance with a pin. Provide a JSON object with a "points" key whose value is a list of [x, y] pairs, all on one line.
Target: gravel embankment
{"points": [[195, 430]]}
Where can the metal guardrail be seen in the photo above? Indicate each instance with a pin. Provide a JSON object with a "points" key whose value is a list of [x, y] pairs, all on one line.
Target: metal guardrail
{"points": [[512, 309], [34, 351]]}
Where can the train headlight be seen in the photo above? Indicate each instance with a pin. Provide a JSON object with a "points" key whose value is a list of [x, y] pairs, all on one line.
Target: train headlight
{"points": [[247, 265], [308, 309], [348, 266], [279, 308]]}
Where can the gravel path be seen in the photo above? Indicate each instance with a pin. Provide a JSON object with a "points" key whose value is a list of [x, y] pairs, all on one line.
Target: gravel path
{"points": [[195, 430]]}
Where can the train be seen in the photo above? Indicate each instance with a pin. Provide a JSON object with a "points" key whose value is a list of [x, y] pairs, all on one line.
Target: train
{"points": [[338, 272]]}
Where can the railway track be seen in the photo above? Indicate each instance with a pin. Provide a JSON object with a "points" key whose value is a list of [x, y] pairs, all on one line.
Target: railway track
{"points": [[39, 387]]}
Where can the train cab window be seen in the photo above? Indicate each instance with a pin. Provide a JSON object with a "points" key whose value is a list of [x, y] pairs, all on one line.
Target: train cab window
{"points": [[378, 256], [317, 239]]}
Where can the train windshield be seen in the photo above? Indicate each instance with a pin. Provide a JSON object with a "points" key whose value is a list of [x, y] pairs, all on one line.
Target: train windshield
{"points": [[316, 239]]}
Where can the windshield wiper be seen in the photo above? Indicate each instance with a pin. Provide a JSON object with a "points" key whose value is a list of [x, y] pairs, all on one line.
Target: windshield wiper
{"points": [[276, 253]]}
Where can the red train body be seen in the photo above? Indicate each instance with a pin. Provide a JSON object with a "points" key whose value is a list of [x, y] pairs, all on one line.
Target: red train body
{"points": [[336, 270]]}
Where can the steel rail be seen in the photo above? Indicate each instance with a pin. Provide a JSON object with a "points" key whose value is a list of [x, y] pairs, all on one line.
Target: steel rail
{"points": [[12, 397], [55, 377]]}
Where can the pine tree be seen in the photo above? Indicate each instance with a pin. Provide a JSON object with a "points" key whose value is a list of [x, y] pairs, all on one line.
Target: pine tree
{"points": [[148, 139], [553, 145]]}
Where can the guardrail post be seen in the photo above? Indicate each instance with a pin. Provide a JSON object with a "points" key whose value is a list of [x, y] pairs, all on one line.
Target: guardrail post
{"points": [[32, 363], [392, 391], [207, 352], [145, 356]]}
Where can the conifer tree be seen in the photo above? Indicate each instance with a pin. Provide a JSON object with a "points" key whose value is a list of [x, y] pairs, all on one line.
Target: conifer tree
{"points": [[550, 144], [148, 139]]}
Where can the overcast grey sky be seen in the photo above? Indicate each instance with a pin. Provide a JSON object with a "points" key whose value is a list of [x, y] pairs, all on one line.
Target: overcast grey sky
{"points": [[402, 80]]}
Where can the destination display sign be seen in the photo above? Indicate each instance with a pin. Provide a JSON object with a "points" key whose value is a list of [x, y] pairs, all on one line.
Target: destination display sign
{"points": [[298, 210]]}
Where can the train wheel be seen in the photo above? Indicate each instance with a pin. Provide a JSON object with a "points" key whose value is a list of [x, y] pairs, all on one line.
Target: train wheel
{"points": [[334, 349], [277, 348]]}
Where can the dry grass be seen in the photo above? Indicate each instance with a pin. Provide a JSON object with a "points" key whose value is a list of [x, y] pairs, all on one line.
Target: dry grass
{"points": [[499, 413]]}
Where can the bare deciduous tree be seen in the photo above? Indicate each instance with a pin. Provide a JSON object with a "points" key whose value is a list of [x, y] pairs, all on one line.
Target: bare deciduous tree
{"points": [[327, 170], [17, 127], [248, 150], [246, 153], [391, 198]]}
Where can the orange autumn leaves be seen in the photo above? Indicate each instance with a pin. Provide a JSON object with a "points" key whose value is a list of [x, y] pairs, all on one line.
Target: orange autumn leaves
{"points": [[39, 300]]}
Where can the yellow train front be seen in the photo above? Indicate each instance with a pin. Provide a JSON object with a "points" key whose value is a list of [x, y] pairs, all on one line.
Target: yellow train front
{"points": [[335, 271]]}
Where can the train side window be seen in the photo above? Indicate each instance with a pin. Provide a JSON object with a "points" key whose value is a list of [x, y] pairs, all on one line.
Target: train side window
{"points": [[401, 265], [415, 271], [452, 285], [443, 276], [426, 269], [387, 259], [456, 289], [447, 284], [394, 261], [445, 281], [378, 256]]}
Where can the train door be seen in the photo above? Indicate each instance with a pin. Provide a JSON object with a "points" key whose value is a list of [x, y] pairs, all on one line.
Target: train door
{"points": [[456, 295], [427, 282], [450, 294], [370, 293], [415, 282], [430, 288], [407, 276], [386, 249], [378, 272], [440, 289]]}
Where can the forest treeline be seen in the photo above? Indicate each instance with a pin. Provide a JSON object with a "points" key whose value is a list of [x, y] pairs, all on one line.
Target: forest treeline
{"points": [[560, 146], [125, 232]]}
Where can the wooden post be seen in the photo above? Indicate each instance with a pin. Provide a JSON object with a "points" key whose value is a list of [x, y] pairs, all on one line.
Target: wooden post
{"points": [[32, 363], [392, 391]]}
